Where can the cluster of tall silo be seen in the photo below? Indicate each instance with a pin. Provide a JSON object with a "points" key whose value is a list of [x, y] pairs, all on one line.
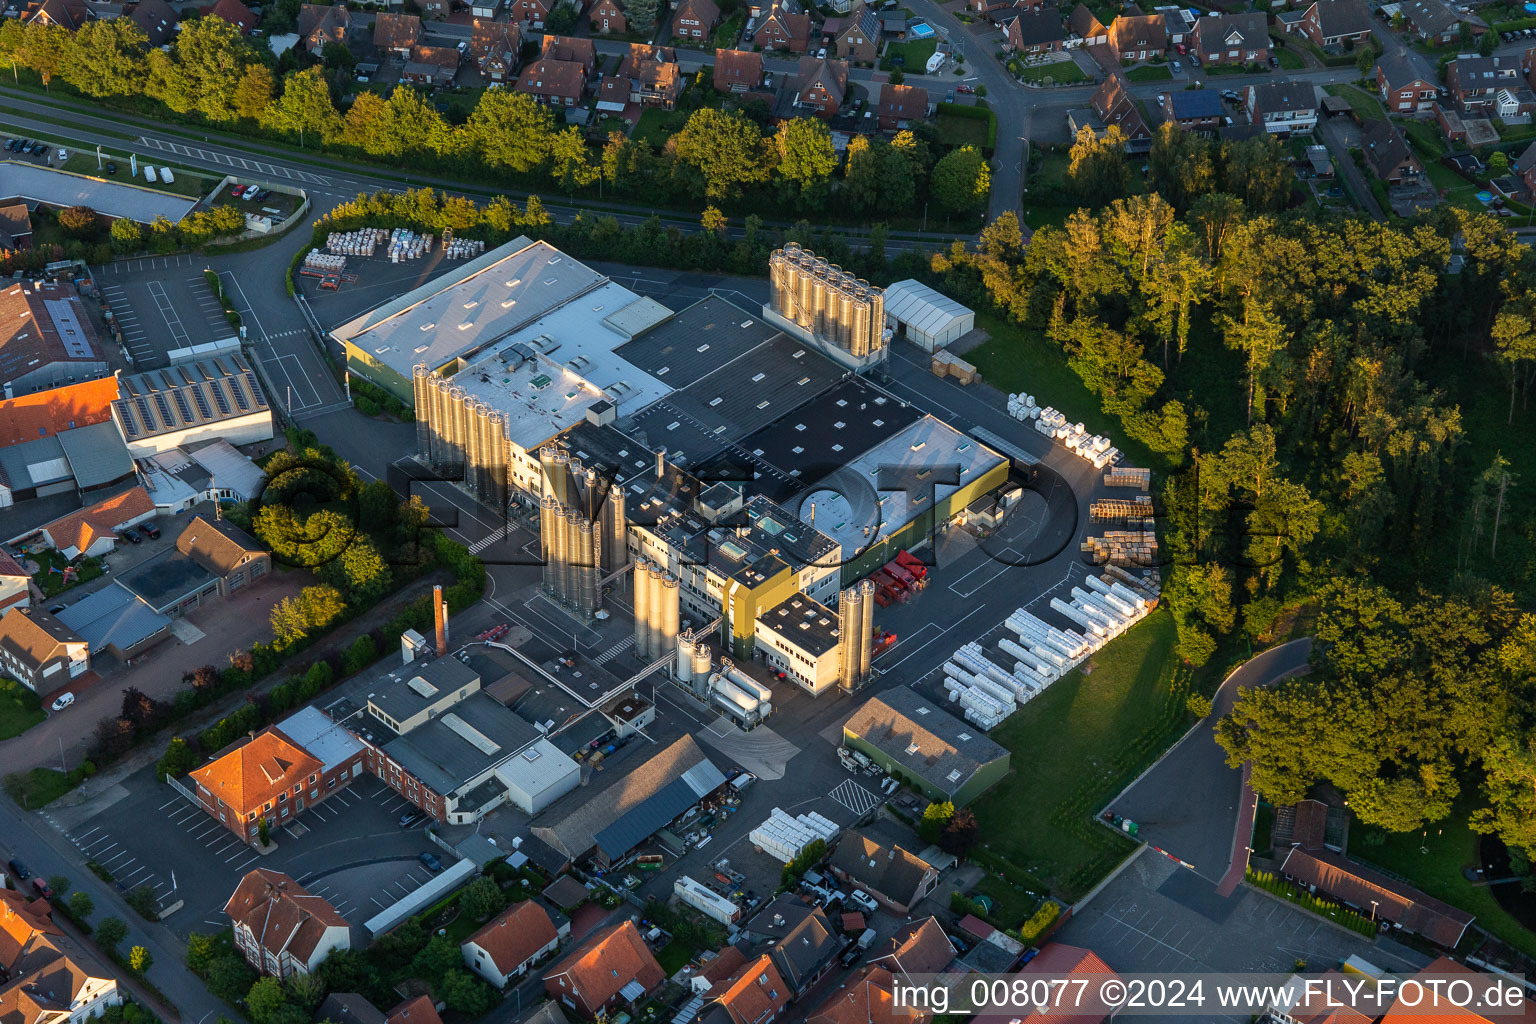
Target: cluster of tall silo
{"points": [[855, 633], [581, 530], [693, 663], [461, 436], [827, 301], [657, 611]]}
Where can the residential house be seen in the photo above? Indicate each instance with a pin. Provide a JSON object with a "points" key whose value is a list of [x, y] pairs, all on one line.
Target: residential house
{"points": [[46, 976], [433, 66], [1034, 32], [869, 997], [786, 26], [234, 12], [39, 651], [1059, 961], [396, 34], [1471, 132], [1180, 27], [1232, 38], [351, 1008], [738, 70], [494, 47], [1198, 110], [1138, 36], [608, 16], [1433, 21], [902, 104], [1086, 27], [567, 48], [898, 879], [695, 19], [923, 948], [15, 226], [753, 994], [612, 967], [1405, 87], [1387, 153], [511, 943], [1283, 106], [322, 23], [1524, 168], [15, 584], [66, 14], [821, 85], [1514, 101], [484, 8], [224, 551], [1334, 24], [805, 947], [280, 927], [156, 19], [1384, 899], [530, 14], [275, 775], [556, 82], [93, 530], [859, 40], [1474, 81], [652, 75]]}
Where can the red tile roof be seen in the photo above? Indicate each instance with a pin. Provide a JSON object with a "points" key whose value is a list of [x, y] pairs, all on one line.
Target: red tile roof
{"points": [[80, 529], [604, 964], [562, 78], [866, 998], [738, 67], [414, 1011], [252, 775], [516, 936], [236, 13], [283, 915], [1394, 901], [1059, 960], [45, 413], [923, 950], [754, 994]]}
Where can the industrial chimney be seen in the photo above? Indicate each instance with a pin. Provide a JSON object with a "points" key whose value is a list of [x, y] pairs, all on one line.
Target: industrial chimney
{"points": [[440, 619]]}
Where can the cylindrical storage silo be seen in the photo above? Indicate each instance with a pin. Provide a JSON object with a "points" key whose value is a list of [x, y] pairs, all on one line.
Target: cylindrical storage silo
{"points": [[866, 625], [669, 612], [547, 529], [806, 291], [420, 384], [655, 576], [586, 567], [701, 666], [682, 665], [641, 579], [847, 619]]}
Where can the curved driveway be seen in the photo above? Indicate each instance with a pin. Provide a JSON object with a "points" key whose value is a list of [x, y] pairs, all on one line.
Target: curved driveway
{"points": [[1190, 806]]}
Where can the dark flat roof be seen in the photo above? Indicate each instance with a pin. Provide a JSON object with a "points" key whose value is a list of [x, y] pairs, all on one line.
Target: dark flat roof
{"points": [[165, 578], [698, 341]]}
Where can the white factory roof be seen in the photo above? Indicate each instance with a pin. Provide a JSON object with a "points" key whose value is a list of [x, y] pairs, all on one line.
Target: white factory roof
{"points": [[845, 503], [538, 768], [544, 376], [470, 307], [921, 308]]}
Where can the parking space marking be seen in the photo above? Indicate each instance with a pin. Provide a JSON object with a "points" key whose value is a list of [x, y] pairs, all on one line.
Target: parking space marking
{"points": [[242, 866], [168, 311], [855, 797]]}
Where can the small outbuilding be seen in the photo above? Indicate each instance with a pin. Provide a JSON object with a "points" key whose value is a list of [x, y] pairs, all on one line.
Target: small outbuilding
{"points": [[929, 319]]}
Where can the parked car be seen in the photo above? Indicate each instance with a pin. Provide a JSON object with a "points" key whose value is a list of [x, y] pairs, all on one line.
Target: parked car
{"points": [[149, 530], [964, 88], [250, 192], [410, 819], [430, 860], [864, 901], [1177, 67], [263, 195], [236, 191], [131, 536], [1274, 61], [64, 701], [20, 870], [43, 888], [850, 955]]}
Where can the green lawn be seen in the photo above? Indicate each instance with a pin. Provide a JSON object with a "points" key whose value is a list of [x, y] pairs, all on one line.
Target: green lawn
{"points": [[656, 126], [1011, 901], [962, 131], [1360, 101], [39, 787], [915, 54], [1289, 59], [1076, 746], [20, 709], [50, 575], [1059, 71], [729, 31], [187, 183], [1150, 73], [674, 956], [1450, 846]]}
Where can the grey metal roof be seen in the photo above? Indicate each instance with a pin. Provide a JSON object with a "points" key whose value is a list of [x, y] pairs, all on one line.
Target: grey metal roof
{"points": [[115, 199], [97, 455], [640, 822], [919, 306], [113, 617], [34, 463], [329, 743], [399, 700], [922, 737], [446, 756], [699, 340], [803, 622], [188, 395], [229, 469]]}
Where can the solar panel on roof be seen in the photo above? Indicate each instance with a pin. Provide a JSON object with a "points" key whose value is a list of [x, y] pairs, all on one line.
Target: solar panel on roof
{"points": [[62, 312], [165, 409], [250, 382], [181, 403], [219, 398], [144, 411]]}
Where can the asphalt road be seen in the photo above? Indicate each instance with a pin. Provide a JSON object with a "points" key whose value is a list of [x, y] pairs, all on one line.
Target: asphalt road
{"points": [[1189, 804]]}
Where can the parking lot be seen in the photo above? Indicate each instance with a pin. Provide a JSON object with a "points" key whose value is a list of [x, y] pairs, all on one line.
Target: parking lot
{"points": [[161, 303], [349, 849]]}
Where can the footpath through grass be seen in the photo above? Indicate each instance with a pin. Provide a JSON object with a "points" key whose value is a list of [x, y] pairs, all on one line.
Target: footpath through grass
{"points": [[1074, 747]]}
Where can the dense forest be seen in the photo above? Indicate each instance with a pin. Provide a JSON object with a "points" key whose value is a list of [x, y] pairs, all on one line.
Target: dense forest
{"points": [[211, 76], [1304, 385]]}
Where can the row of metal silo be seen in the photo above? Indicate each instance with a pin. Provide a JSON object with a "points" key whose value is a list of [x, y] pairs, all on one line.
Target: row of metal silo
{"points": [[827, 301], [657, 610], [581, 530], [855, 633], [693, 663], [461, 436]]}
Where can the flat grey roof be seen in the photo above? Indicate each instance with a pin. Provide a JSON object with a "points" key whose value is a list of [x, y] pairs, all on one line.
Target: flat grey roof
{"points": [[96, 454], [462, 743], [165, 578], [33, 463], [113, 617], [398, 699], [803, 622], [330, 743], [699, 340], [113, 198]]}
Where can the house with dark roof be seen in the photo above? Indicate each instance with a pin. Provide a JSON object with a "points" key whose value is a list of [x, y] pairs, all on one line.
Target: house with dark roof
{"points": [[1232, 38], [396, 33], [1034, 31], [1060, 961], [1404, 85], [320, 24], [570, 48], [1334, 24], [1387, 154], [896, 878], [556, 82], [650, 76], [210, 560], [352, 1008], [611, 968], [1198, 110], [821, 85], [1524, 168], [738, 70], [1433, 21], [280, 927], [786, 26], [15, 226], [432, 66], [115, 621], [225, 552], [530, 14], [900, 105], [1311, 825], [39, 651], [46, 338], [868, 997], [1474, 81], [917, 741], [1283, 106], [695, 20], [608, 16], [1372, 893], [804, 944], [494, 47], [923, 948], [859, 38], [66, 14], [512, 942]]}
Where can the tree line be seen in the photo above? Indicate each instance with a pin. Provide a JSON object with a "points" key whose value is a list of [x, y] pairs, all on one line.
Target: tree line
{"points": [[210, 75]]}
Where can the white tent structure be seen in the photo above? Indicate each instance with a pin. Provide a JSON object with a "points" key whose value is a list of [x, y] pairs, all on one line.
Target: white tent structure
{"points": [[931, 319]]}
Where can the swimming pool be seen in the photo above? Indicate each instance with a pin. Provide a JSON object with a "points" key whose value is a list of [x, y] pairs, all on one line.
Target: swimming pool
{"points": [[919, 30]]}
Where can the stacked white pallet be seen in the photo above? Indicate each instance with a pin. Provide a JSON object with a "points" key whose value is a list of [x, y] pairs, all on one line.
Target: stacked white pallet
{"points": [[1049, 421], [785, 837], [353, 243], [462, 248], [1112, 621], [976, 699], [1092, 629], [975, 660], [1122, 600], [1146, 589], [405, 244], [1037, 666], [1047, 639], [325, 261], [959, 675], [1022, 407], [825, 828]]}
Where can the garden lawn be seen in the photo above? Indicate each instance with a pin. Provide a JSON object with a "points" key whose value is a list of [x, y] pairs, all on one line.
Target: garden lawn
{"points": [[674, 956], [1289, 59], [50, 574], [656, 126], [20, 709], [1065, 71], [1433, 860], [38, 787], [1011, 901], [1149, 73], [1360, 101], [1074, 747], [962, 131], [915, 54]]}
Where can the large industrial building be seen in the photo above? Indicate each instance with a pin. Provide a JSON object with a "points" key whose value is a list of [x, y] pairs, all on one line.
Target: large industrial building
{"points": [[731, 466]]}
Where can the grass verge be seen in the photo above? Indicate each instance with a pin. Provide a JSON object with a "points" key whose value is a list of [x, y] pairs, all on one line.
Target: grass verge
{"points": [[20, 709], [1149, 73]]}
